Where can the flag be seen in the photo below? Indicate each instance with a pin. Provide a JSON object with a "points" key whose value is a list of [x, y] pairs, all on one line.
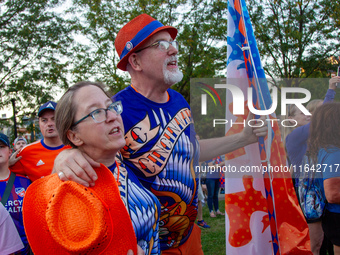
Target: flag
{"points": [[262, 212]]}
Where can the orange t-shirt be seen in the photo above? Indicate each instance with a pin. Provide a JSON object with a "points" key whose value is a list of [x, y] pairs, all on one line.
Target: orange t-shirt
{"points": [[37, 160]]}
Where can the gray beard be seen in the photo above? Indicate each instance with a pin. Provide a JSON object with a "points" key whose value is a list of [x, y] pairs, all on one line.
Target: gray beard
{"points": [[172, 78]]}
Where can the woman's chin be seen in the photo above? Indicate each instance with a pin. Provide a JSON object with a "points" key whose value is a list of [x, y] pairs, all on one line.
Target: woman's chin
{"points": [[118, 145]]}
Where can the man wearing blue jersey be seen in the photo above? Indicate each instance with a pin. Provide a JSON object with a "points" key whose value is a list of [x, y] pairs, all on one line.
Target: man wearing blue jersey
{"points": [[161, 146]]}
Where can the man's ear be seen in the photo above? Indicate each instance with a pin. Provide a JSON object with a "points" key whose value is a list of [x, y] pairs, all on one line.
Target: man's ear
{"points": [[290, 119], [135, 62], [74, 138]]}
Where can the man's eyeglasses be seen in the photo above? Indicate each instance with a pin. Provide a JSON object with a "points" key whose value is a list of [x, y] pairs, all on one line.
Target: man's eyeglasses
{"points": [[100, 115], [163, 45]]}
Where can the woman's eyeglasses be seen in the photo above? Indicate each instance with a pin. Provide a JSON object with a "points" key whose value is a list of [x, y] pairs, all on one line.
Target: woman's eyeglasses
{"points": [[100, 115]]}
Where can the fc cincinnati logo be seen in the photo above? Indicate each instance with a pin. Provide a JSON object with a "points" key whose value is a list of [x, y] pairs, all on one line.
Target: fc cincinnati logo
{"points": [[20, 191], [129, 46]]}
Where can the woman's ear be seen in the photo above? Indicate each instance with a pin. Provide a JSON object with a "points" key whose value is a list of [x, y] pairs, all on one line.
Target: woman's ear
{"points": [[134, 61], [74, 138]]}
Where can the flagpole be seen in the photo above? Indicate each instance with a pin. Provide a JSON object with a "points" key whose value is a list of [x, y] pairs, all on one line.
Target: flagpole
{"points": [[265, 162]]}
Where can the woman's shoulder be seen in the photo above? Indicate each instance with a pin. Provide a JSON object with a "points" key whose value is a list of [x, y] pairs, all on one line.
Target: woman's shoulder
{"points": [[329, 153], [330, 149]]}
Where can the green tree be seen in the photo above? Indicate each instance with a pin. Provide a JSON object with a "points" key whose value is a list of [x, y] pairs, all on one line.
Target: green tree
{"points": [[203, 51], [94, 57], [296, 38], [100, 21], [201, 25], [34, 43]]}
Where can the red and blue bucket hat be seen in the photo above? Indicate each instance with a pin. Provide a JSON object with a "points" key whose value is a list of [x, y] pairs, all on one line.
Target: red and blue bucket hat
{"points": [[135, 33]]}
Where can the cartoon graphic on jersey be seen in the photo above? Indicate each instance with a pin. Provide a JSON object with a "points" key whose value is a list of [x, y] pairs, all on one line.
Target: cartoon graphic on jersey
{"points": [[175, 219], [164, 161], [139, 135], [154, 160], [169, 162], [142, 207]]}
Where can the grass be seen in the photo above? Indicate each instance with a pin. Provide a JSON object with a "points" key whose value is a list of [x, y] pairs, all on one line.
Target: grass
{"points": [[213, 239]]}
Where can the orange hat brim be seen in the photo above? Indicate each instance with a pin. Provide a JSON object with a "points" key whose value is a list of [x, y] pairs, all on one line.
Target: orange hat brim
{"points": [[36, 201]]}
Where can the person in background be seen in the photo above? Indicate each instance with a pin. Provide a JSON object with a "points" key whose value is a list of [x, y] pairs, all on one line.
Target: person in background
{"points": [[213, 185], [324, 148], [19, 143], [296, 137], [17, 190], [200, 221], [296, 147], [161, 147], [10, 241], [36, 159], [320, 245]]}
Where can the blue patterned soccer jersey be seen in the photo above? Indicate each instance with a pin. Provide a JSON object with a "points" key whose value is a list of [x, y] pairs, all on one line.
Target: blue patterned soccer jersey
{"points": [[162, 150], [143, 207], [14, 205]]}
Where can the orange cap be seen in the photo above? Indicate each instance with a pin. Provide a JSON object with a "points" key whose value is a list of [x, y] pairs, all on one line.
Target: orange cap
{"points": [[68, 218]]}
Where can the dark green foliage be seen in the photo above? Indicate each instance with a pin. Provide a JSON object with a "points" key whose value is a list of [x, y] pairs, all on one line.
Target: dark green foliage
{"points": [[296, 39], [34, 43], [46, 46]]}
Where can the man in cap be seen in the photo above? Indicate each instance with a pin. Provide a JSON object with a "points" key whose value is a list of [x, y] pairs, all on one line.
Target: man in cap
{"points": [[37, 158], [19, 143], [161, 146]]}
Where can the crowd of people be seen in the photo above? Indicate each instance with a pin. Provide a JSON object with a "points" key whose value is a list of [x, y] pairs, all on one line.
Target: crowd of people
{"points": [[140, 143], [115, 174]]}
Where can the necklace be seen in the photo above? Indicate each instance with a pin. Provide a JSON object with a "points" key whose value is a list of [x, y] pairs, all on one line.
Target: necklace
{"points": [[118, 182], [112, 169]]}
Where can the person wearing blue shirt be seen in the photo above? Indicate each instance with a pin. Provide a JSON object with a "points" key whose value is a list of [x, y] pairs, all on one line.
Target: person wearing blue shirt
{"points": [[296, 141], [324, 148], [16, 197], [296, 147]]}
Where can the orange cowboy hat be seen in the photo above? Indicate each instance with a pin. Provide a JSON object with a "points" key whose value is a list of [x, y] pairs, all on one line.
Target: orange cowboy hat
{"points": [[135, 33], [68, 218]]}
